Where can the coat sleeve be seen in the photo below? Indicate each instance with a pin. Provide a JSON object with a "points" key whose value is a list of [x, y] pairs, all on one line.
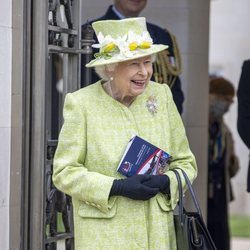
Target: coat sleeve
{"points": [[182, 157], [69, 173], [243, 95], [232, 161]]}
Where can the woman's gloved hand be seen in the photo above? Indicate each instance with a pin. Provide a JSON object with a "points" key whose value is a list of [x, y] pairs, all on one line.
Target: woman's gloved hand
{"points": [[159, 181], [134, 188]]}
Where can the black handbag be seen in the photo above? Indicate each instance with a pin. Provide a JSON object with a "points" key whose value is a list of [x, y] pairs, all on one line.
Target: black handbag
{"points": [[190, 229]]}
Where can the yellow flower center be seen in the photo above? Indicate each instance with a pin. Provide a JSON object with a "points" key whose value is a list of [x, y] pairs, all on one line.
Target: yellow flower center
{"points": [[109, 47], [133, 46], [145, 45]]}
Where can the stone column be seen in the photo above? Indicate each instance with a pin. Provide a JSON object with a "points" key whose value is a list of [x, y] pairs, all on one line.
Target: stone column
{"points": [[5, 119]]}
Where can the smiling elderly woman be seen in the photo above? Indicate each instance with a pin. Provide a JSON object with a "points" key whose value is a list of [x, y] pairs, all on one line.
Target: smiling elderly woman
{"points": [[127, 79], [110, 210]]}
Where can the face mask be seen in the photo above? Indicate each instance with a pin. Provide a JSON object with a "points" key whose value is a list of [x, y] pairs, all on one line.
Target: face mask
{"points": [[218, 108]]}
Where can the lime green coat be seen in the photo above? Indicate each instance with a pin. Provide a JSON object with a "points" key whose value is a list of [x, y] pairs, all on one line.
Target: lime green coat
{"points": [[92, 140]]}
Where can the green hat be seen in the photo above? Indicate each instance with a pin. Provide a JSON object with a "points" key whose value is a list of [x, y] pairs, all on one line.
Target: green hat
{"points": [[122, 40]]}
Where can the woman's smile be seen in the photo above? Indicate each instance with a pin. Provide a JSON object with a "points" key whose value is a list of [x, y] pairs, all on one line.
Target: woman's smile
{"points": [[130, 79], [139, 83]]}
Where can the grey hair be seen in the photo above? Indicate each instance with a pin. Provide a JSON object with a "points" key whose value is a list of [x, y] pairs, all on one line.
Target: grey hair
{"points": [[102, 71], [153, 57]]}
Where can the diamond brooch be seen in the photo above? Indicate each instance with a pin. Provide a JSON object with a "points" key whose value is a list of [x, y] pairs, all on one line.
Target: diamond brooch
{"points": [[151, 105]]}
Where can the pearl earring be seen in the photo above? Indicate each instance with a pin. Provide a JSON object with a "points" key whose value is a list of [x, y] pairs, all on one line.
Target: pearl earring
{"points": [[111, 78]]}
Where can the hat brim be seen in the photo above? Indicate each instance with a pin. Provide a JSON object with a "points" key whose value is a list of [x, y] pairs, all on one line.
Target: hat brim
{"points": [[115, 59]]}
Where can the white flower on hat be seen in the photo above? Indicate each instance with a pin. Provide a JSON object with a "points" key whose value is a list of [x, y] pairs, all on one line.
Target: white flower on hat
{"points": [[105, 42], [142, 41], [124, 46]]}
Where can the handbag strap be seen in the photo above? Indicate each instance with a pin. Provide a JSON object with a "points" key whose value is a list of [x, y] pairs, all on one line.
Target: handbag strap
{"points": [[181, 207], [190, 187]]}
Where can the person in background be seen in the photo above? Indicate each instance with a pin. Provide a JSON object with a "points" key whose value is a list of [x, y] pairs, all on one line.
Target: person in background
{"points": [[111, 211], [243, 122], [222, 163], [167, 66]]}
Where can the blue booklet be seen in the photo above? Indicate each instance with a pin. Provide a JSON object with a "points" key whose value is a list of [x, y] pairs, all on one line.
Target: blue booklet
{"points": [[142, 157]]}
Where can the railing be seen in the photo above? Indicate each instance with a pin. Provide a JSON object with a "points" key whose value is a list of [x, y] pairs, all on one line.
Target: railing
{"points": [[66, 48], [59, 212]]}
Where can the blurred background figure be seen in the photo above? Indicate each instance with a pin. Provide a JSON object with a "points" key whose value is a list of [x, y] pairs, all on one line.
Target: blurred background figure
{"points": [[167, 66], [222, 162], [243, 123]]}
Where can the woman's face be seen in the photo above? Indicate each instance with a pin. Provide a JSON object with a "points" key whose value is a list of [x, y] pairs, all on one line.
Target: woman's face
{"points": [[219, 105], [130, 78]]}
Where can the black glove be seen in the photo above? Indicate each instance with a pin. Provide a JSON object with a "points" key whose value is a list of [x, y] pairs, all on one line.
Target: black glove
{"points": [[159, 181], [133, 188]]}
